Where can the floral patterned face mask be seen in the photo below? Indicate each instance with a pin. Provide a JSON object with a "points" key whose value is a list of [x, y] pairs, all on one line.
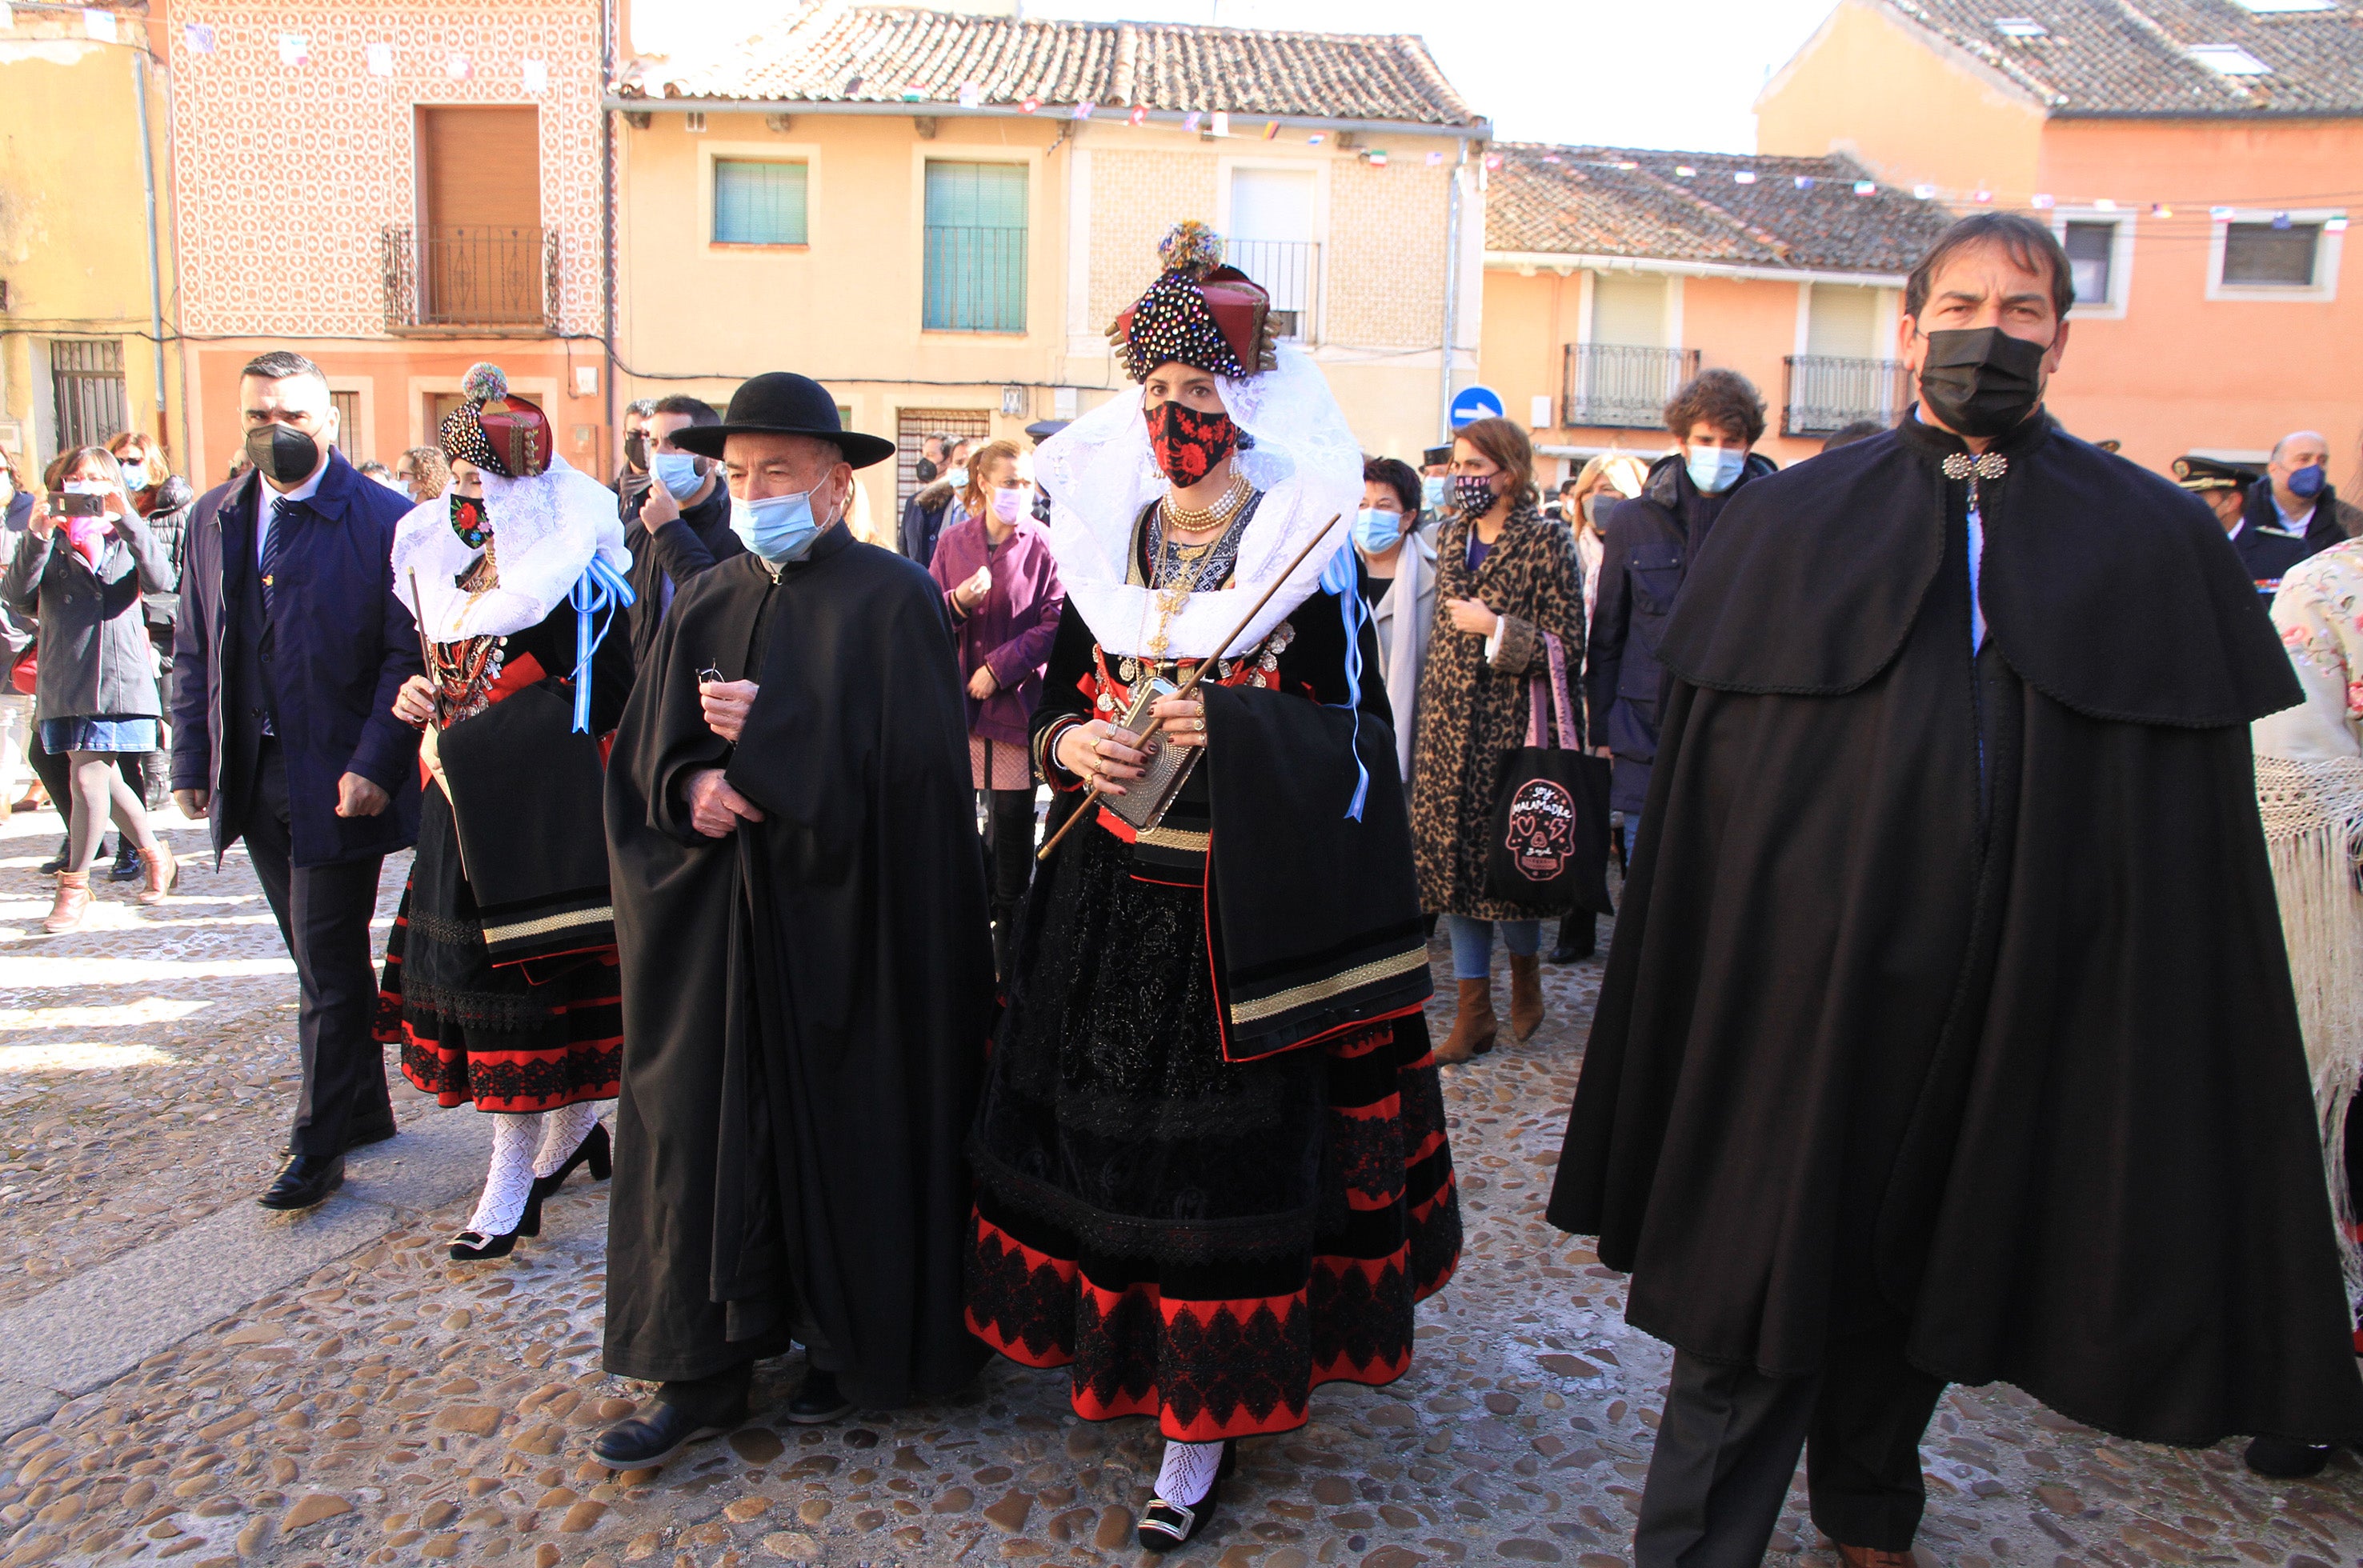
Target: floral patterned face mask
{"points": [[1189, 445], [467, 520]]}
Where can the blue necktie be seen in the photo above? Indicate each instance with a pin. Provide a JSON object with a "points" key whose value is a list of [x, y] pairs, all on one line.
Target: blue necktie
{"points": [[276, 510]]}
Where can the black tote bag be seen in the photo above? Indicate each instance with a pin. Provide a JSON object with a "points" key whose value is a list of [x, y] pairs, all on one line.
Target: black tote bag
{"points": [[1548, 846]]}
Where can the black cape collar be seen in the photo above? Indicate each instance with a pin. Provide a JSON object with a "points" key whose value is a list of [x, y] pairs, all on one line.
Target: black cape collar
{"points": [[2106, 586]]}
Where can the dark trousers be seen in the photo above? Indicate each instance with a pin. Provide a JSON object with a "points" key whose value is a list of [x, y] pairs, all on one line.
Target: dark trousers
{"points": [[1010, 840], [1727, 1446], [55, 774], [324, 916]]}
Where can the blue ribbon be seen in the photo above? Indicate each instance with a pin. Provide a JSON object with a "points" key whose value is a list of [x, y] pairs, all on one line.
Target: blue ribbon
{"points": [[1341, 578], [601, 587]]}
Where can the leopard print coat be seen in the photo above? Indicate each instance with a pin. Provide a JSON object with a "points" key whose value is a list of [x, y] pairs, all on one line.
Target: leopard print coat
{"points": [[1472, 710]]}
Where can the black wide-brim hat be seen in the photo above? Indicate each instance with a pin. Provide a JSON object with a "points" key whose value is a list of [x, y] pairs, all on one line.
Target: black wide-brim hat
{"points": [[782, 402]]}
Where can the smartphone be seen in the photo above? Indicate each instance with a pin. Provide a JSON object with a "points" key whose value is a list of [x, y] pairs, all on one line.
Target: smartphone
{"points": [[74, 503]]}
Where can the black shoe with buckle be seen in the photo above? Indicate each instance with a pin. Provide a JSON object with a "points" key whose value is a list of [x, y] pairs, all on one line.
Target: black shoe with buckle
{"points": [[304, 1181], [1164, 1526], [664, 1427], [819, 1401]]}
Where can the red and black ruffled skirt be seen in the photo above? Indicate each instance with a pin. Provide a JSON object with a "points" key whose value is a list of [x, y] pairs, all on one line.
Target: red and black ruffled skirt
{"points": [[1199, 1241], [516, 1037]]}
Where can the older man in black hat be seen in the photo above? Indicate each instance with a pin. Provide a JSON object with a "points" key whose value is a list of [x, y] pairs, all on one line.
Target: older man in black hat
{"points": [[800, 910]]}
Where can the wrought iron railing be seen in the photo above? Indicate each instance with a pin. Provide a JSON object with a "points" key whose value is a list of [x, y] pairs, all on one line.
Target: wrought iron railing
{"points": [[471, 275], [1289, 271], [1617, 387], [1827, 391], [975, 278]]}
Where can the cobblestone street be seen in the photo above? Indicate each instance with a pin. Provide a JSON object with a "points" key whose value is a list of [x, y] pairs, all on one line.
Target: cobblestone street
{"points": [[380, 1403]]}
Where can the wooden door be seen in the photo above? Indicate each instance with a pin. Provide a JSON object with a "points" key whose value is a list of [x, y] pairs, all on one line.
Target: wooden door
{"points": [[480, 235]]}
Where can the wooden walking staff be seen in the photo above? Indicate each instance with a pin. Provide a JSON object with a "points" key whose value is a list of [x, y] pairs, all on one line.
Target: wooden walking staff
{"points": [[426, 645], [1190, 681]]}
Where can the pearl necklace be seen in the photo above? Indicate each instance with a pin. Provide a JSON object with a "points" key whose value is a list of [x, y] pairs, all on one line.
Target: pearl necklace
{"points": [[1185, 520]]}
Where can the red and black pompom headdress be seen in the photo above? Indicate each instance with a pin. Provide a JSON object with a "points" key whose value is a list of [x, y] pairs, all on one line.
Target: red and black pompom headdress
{"points": [[1199, 313], [493, 430]]}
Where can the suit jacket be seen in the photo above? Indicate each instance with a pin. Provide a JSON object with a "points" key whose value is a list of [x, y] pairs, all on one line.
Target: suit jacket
{"points": [[342, 643]]}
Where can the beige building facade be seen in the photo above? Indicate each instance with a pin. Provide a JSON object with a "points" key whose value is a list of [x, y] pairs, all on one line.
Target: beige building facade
{"points": [[950, 263]]}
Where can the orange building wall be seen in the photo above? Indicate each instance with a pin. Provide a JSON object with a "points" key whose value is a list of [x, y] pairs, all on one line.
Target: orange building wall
{"points": [[2180, 370], [1870, 85]]}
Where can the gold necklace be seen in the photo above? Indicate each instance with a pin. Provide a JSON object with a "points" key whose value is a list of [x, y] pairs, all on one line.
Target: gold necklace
{"points": [[1185, 520]]}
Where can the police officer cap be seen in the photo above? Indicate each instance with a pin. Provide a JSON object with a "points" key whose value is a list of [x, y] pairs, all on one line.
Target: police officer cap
{"points": [[2198, 474]]}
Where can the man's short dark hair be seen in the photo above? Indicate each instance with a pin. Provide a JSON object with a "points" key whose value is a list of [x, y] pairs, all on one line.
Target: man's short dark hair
{"points": [[1570, 483], [2025, 241], [1725, 399], [1397, 476], [1848, 435], [700, 411], [280, 364]]}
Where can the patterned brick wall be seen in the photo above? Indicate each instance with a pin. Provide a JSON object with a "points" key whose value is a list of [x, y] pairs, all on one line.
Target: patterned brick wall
{"points": [[1136, 197], [287, 174], [1387, 254]]}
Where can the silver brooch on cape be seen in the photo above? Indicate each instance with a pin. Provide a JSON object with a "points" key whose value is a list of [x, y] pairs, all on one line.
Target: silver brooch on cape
{"points": [[1985, 465]]}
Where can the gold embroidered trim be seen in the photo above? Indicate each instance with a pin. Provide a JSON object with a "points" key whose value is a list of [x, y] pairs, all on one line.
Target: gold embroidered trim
{"points": [[1320, 990], [549, 924], [1174, 838]]}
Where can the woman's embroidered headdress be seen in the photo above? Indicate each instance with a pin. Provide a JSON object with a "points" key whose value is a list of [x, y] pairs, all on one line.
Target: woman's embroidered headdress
{"points": [[493, 430], [1199, 313]]}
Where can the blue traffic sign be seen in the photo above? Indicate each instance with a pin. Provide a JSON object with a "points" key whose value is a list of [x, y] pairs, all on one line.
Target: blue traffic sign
{"points": [[1473, 403]]}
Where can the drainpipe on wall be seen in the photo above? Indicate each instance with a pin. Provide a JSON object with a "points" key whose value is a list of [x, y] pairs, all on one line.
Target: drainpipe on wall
{"points": [[155, 266], [607, 224], [1452, 296]]}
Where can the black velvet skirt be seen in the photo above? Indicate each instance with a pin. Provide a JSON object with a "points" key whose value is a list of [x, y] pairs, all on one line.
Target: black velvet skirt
{"points": [[1199, 1241], [508, 1037]]}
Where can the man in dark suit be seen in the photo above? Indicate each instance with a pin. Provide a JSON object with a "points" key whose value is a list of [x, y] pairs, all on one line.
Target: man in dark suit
{"points": [[289, 650]]}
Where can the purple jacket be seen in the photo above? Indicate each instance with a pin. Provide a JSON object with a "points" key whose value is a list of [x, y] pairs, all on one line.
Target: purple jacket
{"points": [[1012, 630]]}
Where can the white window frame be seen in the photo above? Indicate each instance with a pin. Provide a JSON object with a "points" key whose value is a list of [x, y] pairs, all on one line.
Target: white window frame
{"points": [[2120, 259], [710, 152], [2327, 254], [1315, 331]]}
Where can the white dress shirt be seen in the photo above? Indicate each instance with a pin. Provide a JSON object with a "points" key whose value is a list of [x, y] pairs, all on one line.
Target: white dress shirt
{"points": [[268, 502]]}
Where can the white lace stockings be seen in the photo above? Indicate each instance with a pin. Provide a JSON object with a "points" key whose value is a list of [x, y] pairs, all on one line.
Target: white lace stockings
{"points": [[510, 1181], [1188, 1473], [562, 1131]]}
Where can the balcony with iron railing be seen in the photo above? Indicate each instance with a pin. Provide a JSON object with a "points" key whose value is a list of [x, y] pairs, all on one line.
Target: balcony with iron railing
{"points": [[1614, 386], [477, 278], [1289, 271], [1828, 392]]}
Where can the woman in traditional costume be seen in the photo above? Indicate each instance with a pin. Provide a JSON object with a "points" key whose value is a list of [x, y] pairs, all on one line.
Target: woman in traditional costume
{"points": [[1211, 1165], [501, 985]]}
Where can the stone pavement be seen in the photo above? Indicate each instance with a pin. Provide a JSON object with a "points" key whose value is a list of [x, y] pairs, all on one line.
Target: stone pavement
{"points": [[218, 1389]]}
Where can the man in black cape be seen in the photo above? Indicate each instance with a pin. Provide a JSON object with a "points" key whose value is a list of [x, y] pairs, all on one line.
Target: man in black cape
{"points": [[800, 911], [1947, 1035]]}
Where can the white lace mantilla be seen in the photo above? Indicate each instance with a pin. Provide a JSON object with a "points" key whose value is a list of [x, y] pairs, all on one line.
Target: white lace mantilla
{"points": [[1100, 476], [545, 530]]}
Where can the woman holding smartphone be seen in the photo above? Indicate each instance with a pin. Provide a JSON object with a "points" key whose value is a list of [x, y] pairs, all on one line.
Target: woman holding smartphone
{"points": [[86, 558]]}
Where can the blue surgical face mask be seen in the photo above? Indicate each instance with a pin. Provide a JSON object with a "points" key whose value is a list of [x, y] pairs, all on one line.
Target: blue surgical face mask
{"points": [[1715, 469], [135, 477], [1376, 530], [778, 527], [677, 472], [2307, 482], [1433, 491]]}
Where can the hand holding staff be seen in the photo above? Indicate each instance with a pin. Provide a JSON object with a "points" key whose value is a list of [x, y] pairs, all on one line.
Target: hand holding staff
{"points": [[1190, 681]]}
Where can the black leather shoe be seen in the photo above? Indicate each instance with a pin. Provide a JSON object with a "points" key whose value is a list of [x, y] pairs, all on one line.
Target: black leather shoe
{"points": [[595, 1150], [1164, 1526], [304, 1180], [661, 1430], [819, 1401], [127, 866], [474, 1246], [2285, 1461], [57, 863]]}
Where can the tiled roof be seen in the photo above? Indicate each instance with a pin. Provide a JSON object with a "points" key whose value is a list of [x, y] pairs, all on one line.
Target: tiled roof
{"points": [[1801, 213], [837, 52], [2119, 56]]}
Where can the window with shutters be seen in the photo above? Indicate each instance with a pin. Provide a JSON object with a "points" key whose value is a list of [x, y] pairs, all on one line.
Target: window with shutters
{"points": [[759, 202], [478, 254], [2287, 255], [349, 424], [974, 276], [2100, 246]]}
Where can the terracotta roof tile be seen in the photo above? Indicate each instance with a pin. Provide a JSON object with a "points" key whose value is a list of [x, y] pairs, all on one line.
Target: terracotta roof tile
{"points": [[843, 53], [2135, 57], [1801, 213]]}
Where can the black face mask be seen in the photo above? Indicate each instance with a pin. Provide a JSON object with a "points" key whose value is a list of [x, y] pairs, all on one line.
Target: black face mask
{"points": [[1981, 380], [283, 454]]}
